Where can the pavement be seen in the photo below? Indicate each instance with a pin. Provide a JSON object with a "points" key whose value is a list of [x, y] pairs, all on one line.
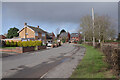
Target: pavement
{"points": [[57, 62]]}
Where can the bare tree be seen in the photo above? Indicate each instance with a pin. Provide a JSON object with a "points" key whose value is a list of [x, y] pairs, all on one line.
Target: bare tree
{"points": [[103, 29], [57, 31]]}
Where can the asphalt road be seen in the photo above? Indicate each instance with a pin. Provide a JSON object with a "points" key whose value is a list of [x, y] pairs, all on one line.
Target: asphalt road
{"points": [[51, 63]]}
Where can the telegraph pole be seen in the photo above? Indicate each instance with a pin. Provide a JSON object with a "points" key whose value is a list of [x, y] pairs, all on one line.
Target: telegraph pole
{"points": [[93, 27]]}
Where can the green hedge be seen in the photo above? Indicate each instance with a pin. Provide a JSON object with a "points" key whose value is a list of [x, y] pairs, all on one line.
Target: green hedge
{"points": [[23, 43], [29, 43]]}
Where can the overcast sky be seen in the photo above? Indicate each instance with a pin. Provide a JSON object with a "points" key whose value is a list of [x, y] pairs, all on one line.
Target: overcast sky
{"points": [[50, 16]]}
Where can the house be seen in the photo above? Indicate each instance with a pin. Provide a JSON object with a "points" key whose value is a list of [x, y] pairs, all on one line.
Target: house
{"points": [[65, 35], [51, 36], [2, 37], [75, 37], [32, 33]]}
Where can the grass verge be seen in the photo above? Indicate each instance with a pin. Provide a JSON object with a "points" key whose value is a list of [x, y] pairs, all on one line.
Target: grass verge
{"points": [[8, 47], [92, 65]]}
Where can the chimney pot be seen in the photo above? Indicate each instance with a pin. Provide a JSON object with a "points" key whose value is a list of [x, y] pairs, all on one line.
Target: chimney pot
{"points": [[37, 26], [25, 23]]}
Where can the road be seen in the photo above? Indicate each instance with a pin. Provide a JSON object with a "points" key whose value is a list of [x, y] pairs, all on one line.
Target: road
{"points": [[51, 63]]}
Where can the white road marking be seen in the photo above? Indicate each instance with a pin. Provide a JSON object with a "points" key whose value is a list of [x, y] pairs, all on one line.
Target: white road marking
{"points": [[43, 75]]}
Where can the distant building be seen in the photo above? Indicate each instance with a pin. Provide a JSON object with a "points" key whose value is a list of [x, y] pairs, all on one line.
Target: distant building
{"points": [[2, 37], [75, 37], [65, 35], [51, 36]]}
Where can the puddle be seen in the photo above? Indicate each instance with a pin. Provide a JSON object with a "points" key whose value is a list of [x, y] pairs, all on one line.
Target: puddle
{"points": [[63, 60], [14, 69]]}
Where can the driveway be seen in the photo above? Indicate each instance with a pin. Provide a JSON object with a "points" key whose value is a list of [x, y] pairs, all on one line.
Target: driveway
{"points": [[51, 63]]}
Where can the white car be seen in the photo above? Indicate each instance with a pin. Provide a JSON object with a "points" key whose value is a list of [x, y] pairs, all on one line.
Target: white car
{"points": [[49, 43]]}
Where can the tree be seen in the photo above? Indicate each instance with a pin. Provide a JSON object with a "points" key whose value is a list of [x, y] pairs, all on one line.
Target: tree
{"points": [[119, 36], [103, 28], [62, 31], [57, 32], [12, 32]]}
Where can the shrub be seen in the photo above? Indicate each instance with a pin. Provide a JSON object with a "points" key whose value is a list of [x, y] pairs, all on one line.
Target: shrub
{"points": [[41, 44], [29, 43], [15, 44], [79, 42], [7, 43], [12, 43], [38, 43], [25, 44], [19, 43], [63, 40]]}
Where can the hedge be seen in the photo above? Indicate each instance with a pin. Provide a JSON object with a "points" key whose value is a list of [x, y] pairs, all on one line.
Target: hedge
{"points": [[29, 43], [23, 43]]}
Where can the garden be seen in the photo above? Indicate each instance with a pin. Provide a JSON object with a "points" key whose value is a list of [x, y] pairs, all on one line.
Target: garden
{"points": [[21, 46]]}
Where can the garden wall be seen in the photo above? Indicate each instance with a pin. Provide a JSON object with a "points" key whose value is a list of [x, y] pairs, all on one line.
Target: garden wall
{"points": [[17, 50], [22, 49], [41, 47]]}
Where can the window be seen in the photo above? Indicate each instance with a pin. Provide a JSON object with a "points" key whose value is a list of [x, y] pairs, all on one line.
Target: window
{"points": [[36, 34], [43, 34]]}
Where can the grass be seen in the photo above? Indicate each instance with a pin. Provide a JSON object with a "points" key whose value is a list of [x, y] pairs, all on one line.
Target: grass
{"points": [[92, 65], [8, 47]]}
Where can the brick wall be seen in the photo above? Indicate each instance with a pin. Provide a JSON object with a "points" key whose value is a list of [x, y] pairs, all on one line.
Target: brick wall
{"points": [[31, 34]]}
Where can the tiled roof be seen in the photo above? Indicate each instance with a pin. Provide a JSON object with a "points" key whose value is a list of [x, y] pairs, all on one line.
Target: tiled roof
{"points": [[36, 29], [64, 34], [50, 34], [75, 35]]}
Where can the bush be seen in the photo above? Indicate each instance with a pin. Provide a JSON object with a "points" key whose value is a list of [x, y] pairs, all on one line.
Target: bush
{"points": [[38, 43], [79, 42], [11, 43], [63, 40], [15, 44], [7, 43], [29, 43], [25, 44], [19, 43]]}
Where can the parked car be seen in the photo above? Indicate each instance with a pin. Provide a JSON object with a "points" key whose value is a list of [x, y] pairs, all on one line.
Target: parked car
{"points": [[49, 43]]}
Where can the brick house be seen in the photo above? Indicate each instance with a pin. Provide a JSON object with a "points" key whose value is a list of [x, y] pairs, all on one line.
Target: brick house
{"points": [[2, 37], [51, 36], [75, 37], [32, 33], [65, 35]]}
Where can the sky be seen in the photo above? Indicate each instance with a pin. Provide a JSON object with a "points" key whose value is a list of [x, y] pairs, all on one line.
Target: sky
{"points": [[51, 15]]}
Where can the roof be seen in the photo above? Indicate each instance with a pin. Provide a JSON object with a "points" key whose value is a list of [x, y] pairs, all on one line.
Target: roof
{"points": [[2, 37], [64, 34], [36, 29], [50, 34], [75, 35]]}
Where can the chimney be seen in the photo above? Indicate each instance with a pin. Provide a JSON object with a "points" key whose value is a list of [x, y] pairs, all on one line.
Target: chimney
{"points": [[37, 26], [25, 23]]}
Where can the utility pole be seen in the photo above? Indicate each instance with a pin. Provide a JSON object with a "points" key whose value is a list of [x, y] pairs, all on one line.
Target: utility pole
{"points": [[93, 28]]}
